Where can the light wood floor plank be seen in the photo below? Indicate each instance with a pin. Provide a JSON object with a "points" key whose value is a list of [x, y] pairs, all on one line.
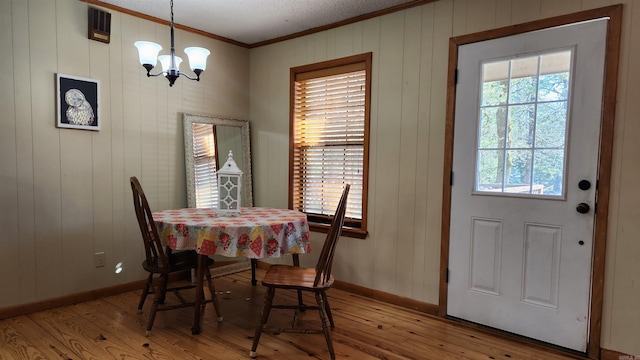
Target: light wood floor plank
{"points": [[366, 329]]}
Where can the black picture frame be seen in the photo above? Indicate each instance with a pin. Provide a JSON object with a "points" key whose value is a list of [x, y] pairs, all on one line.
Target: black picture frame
{"points": [[78, 102]]}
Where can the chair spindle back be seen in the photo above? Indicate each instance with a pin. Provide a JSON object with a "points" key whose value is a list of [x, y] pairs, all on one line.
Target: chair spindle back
{"points": [[153, 248], [325, 262]]}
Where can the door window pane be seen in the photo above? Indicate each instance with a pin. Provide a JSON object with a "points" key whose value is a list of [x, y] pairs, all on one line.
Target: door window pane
{"points": [[522, 127], [490, 174]]}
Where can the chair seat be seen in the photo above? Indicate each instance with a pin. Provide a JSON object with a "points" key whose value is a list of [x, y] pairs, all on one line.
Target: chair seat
{"points": [[293, 277]]}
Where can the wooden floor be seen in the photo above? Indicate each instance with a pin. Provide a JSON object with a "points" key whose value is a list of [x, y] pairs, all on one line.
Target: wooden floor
{"points": [[109, 328]]}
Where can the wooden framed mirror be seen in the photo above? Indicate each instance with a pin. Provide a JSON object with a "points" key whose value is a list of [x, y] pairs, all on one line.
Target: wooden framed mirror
{"points": [[207, 141]]}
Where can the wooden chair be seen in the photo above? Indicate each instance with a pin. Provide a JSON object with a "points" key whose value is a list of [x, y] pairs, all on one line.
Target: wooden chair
{"points": [[162, 261], [315, 280]]}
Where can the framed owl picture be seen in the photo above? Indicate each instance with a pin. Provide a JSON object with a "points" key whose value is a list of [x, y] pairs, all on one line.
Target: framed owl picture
{"points": [[78, 102]]}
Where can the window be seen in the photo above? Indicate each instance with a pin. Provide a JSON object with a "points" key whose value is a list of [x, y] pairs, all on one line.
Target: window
{"points": [[205, 165], [523, 125], [330, 140]]}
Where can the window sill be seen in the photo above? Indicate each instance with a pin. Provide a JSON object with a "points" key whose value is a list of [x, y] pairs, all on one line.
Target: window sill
{"points": [[346, 231]]}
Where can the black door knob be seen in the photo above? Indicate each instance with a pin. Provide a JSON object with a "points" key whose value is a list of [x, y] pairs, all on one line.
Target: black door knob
{"points": [[582, 208], [584, 185]]}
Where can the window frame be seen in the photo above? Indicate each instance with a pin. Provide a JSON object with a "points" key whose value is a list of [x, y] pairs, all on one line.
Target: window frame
{"points": [[317, 222]]}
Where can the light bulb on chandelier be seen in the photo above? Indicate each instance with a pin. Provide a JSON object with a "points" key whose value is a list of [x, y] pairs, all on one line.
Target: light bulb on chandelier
{"points": [[148, 53]]}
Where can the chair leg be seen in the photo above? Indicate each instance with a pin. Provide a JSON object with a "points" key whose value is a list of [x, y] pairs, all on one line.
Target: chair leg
{"points": [[327, 309], [157, 294], [164, 279], [145, 292], [325, 325], [264, 317], [212, 291], [296, 262]]}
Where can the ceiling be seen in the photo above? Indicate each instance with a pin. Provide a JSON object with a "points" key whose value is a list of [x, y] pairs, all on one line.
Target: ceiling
{"points": [[255, 21]]}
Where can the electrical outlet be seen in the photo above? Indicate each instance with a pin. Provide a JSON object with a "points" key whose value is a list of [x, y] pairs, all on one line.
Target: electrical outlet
{"points": [[99, 259]]}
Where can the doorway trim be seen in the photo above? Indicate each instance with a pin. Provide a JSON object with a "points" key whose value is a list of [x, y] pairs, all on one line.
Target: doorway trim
{"points": [[612, 55]]}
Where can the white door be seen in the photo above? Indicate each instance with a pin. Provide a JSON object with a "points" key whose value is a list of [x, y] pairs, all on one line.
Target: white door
{"points": [[525, 155]]}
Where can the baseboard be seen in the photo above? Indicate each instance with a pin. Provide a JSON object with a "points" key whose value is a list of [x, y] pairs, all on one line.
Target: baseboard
{"points": [[606, 354], [71, 299], [404, 302]]}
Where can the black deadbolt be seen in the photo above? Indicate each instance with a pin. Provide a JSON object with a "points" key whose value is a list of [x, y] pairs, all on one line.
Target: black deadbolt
{"points": [[584, 185], [582, 208]]}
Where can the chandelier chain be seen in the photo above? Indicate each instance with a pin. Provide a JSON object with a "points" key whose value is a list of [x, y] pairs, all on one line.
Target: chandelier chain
{"points": [[172, 13]]}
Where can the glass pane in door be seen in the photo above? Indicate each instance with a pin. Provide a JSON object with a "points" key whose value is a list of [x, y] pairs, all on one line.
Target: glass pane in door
{"points": [[522, 128]]}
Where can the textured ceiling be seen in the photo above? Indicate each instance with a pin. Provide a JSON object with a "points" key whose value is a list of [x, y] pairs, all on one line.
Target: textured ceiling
{"points": [[254, 21]]}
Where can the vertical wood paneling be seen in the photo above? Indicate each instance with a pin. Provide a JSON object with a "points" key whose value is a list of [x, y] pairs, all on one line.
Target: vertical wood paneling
{"points": [[550, 8], [257, 100], [131, 81], [483, 15], [24, 150], [121, 198], [615, 210], [344, 46], [147, 132], [10, 247], [443, 19], [371, 31], [164, 146], [503, 13], [420, 250], [524, 10], [408, 145], [459, 24], [344, 40], [101, 159], [624, 311], [331, 44], [46, 149], [75, 158], [388, 154], [593, 4]]}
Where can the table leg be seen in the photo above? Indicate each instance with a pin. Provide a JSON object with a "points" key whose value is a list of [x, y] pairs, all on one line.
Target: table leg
{"points": [[301, 305], [195, 330], [254, 263]]}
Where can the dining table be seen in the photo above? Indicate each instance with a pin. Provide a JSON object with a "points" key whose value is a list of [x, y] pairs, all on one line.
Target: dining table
{"points": [[255, 233]]}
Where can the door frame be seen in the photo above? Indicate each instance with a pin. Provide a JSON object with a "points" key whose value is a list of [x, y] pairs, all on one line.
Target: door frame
{"points": [[612, 55]]}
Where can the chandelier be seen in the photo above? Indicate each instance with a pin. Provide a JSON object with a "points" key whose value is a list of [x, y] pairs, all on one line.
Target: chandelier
{"points": [[148, 54]]}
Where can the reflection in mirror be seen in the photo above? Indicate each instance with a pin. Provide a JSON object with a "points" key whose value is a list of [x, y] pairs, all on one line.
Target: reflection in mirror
{"points": [[207, 141]]}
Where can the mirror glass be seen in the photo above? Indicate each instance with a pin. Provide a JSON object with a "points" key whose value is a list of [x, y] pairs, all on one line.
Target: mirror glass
{"points": [[207, 142]]}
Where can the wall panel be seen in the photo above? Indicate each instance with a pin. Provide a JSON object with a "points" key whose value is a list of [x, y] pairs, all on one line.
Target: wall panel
{"points": [[623, 231], [407, 162], [46, 150], [418, 260], [8, 162], [24, 150]]}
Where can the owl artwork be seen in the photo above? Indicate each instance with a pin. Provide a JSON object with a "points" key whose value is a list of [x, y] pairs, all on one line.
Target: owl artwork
{"points": [[79, 111]]}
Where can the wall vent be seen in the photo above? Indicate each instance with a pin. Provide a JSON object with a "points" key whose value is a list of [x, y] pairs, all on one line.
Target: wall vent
{"points": [[99, 25]]}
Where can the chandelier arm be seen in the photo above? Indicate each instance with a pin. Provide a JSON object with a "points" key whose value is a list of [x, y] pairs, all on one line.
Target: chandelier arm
{"points": [[149, 74], [197, 78]]}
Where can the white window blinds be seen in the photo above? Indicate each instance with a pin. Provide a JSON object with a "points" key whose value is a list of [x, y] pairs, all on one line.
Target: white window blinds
{"points": [[329, 139], [204, 154]]}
